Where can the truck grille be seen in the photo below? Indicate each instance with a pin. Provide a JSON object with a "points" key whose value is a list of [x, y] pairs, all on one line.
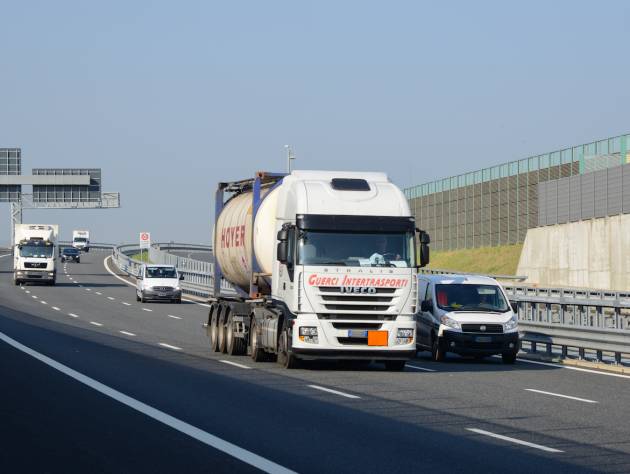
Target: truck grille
{"points": [[35, 265], [381, 300], [489, 328]]}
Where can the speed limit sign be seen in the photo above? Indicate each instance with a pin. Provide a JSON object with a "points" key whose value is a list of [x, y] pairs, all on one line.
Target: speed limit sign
{"points": [[145, 240]]}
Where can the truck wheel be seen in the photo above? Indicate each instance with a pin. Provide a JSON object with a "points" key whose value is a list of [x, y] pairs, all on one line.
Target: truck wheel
{"points": [[437, 351], [395, 365], [221, 330], [235, 345], [214, 330], [285, 357], [257, 354], [508, 357]]}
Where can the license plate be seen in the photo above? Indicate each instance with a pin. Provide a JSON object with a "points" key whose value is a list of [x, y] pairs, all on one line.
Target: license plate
{"points": [[162, 294], [483, 339], [357, 333], [377, 338]]}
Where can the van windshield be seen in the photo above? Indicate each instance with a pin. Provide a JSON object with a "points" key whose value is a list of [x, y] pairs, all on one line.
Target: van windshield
{"points": [[161, 272], [469, 297], [80, 239]]}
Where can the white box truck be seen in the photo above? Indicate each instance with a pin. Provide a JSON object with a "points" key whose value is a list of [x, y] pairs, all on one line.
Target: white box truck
{"points": [[35, 253], [81, 240], [324, 265]]}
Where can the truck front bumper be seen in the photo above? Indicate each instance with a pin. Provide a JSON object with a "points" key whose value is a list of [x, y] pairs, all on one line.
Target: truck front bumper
{"points": [[349, 354], [34, 275]]}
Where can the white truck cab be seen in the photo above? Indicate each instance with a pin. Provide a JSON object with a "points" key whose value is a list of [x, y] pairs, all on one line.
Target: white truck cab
{"points": [[159, 282], [467, 315]]}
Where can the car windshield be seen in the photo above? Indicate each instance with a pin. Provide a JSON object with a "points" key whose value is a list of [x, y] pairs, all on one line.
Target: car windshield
{"points": [[69, 251], [470, 297], [80, 239], [356, 249], [36, 251], [161, 272]]}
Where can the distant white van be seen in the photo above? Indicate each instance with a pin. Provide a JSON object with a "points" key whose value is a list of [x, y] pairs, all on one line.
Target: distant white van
{"points": [[159, 282], [466, 315]]}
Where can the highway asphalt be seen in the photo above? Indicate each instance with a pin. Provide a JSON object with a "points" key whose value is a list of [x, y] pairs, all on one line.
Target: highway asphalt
{"points": [[93, 381]]}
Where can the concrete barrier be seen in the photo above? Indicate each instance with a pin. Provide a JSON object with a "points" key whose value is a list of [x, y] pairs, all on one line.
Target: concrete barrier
{"points": [[594, 254]]}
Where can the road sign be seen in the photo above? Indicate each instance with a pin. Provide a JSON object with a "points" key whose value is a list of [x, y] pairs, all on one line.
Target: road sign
{"points": [[145, 240]]}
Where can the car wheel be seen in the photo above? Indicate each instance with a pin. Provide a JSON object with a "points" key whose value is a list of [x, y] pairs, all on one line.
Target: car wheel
{"points": [[142, 297]]}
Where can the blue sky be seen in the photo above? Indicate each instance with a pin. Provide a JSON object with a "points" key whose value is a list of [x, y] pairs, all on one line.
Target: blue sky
{"points": [[170, 97]]}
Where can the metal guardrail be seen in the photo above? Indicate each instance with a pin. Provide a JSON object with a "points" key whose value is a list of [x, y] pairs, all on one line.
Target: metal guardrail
{"points": [[93, 245], [574, 318], [437, 271], [198, 275]]}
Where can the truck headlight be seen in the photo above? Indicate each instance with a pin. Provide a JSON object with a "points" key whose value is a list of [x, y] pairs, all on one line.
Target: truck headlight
{"points": [[450, 322], [404, 336], [308, 334], [511, 324]]}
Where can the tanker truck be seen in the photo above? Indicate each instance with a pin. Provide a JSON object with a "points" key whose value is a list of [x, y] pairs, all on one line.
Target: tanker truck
{"points": [[322, 265]]}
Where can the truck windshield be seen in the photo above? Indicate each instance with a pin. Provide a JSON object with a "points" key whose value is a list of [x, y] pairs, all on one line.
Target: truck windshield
{"points": [[36, 251], [80, 239], [161, 272], [469, 297], [355, 249]]}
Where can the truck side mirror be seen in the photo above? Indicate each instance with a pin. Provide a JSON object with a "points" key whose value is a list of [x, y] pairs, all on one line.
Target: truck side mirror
{"points": [[426, 306], [424, 255], [282, 251]]}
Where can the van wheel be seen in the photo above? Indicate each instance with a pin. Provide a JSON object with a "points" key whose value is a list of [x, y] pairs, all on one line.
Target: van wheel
{"points": [[437, 350], [142, 298], [257, 353], [508, 357], [395, 365], [137, 297]]}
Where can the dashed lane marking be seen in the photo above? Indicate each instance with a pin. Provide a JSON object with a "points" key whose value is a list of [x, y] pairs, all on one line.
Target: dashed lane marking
{"points": [[95, 323], [168, 346], [72, 315], [515, 440], [336, 392], [173, 316], [146, 309], [55, 308], [585, 400], [420, 368], [235, 364], [126, 304], [126, 333]]}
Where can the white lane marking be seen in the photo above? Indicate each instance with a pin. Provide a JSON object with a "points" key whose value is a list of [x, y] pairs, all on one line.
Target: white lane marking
{"points": [[146, 309], [215, 442], [420, 368], [110, 298], [168, 346], [55, 308], [514, 440], [5, 255], [95, 323], [98, 293], [174, 317], [330, 390], [126, 304], [133, 284], [72, 315], [27, 292], [127, 333], [88, 289], [578, 369], [21, 287], [585, 400], [33, 296], [234, 364], [43, 302]]}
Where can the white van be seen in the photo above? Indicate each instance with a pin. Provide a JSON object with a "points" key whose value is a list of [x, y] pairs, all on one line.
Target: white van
{"points": [[466, 315], [159, 282]]}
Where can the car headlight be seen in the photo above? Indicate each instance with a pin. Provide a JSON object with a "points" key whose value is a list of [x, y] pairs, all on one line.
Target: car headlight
{"points": [[450, 322], [511, 324]]}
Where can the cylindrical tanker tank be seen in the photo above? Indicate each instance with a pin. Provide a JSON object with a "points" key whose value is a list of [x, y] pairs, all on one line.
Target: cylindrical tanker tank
{"points": [[233, 237]]}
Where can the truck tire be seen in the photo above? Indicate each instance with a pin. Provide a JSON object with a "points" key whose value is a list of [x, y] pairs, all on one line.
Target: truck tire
{"points": [[234, 345], [221, 329], [285, 357], [257, 353], [437, 350], [214, 330], [395, 365]]}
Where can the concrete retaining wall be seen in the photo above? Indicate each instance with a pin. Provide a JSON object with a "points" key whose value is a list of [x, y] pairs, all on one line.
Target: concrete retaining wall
{"points": [[593, 254]]}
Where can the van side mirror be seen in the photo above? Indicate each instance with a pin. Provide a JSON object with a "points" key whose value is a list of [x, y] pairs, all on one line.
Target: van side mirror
{"points": [[514, 306], [139, 277], [426, 306], [181, 277]]}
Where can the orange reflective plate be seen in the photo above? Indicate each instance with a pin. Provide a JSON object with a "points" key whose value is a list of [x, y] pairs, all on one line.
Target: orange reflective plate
{"points": [[377, 338]]}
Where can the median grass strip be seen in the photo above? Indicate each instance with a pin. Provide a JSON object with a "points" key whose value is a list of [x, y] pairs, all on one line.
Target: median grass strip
{"points": [[141, 257], [500, 260]]}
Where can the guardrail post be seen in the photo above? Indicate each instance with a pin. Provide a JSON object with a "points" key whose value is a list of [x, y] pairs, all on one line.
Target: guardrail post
{"points": [[548, 348], [581, 353], [565, 352], [533, 347], [617, 358], [599, 356]]}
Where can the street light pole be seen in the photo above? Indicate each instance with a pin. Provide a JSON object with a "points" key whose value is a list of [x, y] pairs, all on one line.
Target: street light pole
{"points": [[290, 156]]}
